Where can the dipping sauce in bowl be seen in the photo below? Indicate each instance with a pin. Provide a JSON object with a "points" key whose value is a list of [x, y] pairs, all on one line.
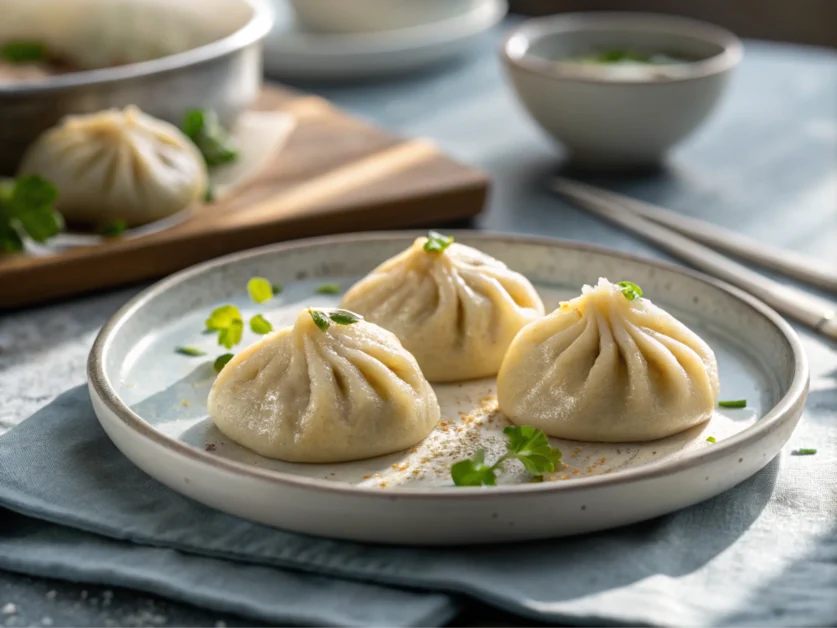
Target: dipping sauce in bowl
{"points": [[619, 90]]}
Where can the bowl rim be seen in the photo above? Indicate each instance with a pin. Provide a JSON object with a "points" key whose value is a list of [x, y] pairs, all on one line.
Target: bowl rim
{"points": [[256, 28], [534, 29], [325, 45]]}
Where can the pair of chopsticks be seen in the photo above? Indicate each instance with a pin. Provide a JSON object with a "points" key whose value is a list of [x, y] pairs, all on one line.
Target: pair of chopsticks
{"points": [[682, 237]]}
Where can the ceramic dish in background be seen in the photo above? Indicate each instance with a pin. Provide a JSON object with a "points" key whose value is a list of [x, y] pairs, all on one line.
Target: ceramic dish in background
{"points": [[617, 117], [177, 55], [292, 52], [151, 402], [366, 16]]}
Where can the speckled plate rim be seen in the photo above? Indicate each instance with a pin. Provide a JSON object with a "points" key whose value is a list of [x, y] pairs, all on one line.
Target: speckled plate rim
{"points": [[782, 411]]}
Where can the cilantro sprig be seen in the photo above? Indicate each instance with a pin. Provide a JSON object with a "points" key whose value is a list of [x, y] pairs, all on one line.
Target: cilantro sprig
{"points": [[203, 127], [436, 242], [525, 443], [26, 209], [630, 290], [323, 319]]}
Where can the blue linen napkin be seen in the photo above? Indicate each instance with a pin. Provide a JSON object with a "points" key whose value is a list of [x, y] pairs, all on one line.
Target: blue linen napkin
{"points": [[764, 553], [275, 596]]}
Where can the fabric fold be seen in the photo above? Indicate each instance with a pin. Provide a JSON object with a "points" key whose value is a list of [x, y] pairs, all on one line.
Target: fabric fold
{"points": [[691, 567]]}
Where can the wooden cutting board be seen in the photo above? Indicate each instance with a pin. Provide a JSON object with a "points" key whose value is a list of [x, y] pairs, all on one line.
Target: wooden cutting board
{"points": [[336, 174]]}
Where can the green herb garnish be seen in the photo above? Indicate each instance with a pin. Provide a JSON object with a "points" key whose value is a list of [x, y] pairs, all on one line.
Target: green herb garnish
{"points": [[190, 351], [260, 325], [114, 229], [24, 51], [711, 439], [436, 242], [344, 317], [227, 321], [204, 129], [221, 361], [260, 289], [323, 320], [630, 290], [526, 444], [804, 452], [620, 56], [276, 288], [329, 288], [320, 319], [209, 195], [735, 403], [26, 208]]}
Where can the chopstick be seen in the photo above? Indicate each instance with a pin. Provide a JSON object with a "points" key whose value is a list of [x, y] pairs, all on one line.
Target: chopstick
{"points": [[782, 261], [817, 313]]}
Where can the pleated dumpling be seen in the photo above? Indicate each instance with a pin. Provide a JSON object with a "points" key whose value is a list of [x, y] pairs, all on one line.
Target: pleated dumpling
{"points": [[453, 307], [608, 366], [118, 166], [332, 388]]}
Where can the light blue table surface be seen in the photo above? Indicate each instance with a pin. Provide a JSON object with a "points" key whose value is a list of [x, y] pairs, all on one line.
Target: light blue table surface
{"points": [[765, 165]]}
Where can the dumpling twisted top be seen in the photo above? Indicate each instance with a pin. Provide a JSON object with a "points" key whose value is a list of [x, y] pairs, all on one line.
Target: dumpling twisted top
{"points": [[456, 310], [306, 394], [610, 366]]}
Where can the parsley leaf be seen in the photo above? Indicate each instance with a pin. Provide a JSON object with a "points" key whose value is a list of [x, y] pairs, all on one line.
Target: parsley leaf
{"points": [[329, 288], [24, 51], [525, 443], [221, 361], [204, 129], [260, 289], [190, 351], [231, 336], [531, 447], [473, 472], [630, 290], [320, 319], [221, 317], [227, 321], [711, 439], [436, 242], [344, 317], [114, 229], [26, 207], [735, 403], [260, 325], [277, 288]]}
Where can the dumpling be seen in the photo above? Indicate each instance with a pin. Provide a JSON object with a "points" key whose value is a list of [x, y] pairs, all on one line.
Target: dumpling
{"points": [[454, 308], [118, 165], [608, 366], [324, 391]]}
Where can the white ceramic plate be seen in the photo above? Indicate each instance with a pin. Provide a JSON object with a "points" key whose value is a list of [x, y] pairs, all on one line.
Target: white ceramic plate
{"points": [[151, 402], [292, 53]]}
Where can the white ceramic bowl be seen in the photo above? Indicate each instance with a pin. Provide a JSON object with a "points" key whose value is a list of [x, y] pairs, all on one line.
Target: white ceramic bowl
{"points": [[366, 16], [609, 116]]}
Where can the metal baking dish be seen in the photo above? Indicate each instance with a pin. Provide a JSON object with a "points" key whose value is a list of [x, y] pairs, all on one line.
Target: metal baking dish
{"points": [[224, 73]]}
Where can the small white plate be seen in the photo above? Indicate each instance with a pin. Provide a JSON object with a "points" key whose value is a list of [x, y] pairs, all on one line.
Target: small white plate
{"points": [[152, 403], [292, 53]]}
